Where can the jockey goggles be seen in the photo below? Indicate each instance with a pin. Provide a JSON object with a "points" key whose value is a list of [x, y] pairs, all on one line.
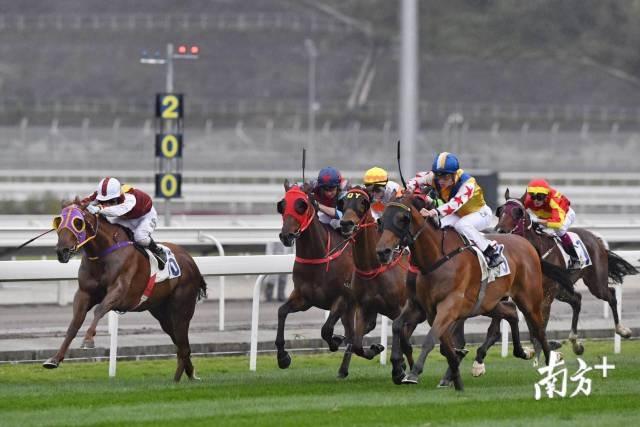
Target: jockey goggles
{"points": [[538, 196]]}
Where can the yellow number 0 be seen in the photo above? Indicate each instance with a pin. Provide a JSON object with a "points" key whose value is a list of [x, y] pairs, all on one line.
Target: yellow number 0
{"points": [[168, 185], [169, 146], [172, 104]]}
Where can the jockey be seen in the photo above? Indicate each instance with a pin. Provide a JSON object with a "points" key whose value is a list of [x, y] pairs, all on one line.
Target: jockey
{"points": [[552, 210], [328, 189], [376, 181], [131, 208], [464, 207]]}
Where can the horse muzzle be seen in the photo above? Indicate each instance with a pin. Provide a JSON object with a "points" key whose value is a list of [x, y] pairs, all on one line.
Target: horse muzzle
{"points": [[287, 239], [64, 255], [347, 228], [384, 255]]}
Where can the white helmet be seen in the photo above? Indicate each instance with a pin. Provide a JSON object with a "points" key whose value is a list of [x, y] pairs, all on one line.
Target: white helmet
{"points": [[108, 188]]}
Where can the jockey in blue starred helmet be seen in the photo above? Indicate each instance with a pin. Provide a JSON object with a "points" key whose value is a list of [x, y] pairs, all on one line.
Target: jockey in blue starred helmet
{"points": [[445, 163]]}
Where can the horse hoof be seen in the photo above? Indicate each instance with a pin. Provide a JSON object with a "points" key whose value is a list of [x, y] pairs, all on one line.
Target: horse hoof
{"points": [[50, 364], [342, 375], [410, 378], [397, 379], [88, 345], [284, 361], [578, 349], [478, 369], [623, 331], [377, 348], [554, 345], [529, 353], [336, 340], [444, 383]]}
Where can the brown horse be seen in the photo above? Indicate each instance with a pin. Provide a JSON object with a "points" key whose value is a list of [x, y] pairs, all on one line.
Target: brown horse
{"points": [[606, 266], [321, 274], [377, 288], [449, 286], [114, 275]]}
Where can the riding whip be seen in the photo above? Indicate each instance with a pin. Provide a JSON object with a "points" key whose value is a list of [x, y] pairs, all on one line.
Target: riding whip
{"points": [[400, 168], [304, 161], [16, 249]]}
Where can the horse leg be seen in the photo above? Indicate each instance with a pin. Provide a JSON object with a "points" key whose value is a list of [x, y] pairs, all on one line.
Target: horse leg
{"points": [[348, 320], [179, 310], [446, 315], [574, 299], [598, 283], [532, 312], [82, 303], [447, 348], [412, 320], [493, 335], [107, 303], [458, 343], [401, 326], [365, 322], [338, 308], [294, 303]]}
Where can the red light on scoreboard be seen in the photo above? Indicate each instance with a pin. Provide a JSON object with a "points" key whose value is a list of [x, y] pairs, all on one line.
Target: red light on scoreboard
{"points": [[195, 50], [182, 49]]}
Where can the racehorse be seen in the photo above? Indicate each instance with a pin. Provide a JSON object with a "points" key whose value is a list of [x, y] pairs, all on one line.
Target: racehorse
{"points": [[449, 286], [606, 266], [114, 275], [322, 272], [377, 288]]}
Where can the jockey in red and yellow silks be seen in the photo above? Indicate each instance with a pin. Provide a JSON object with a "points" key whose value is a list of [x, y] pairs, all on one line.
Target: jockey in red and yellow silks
{"points": [[552, 210], [464, 207]]}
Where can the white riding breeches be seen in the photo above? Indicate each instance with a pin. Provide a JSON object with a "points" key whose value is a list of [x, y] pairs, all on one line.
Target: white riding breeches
{"points": [[569, 219], [142, 227], [471, 224]]}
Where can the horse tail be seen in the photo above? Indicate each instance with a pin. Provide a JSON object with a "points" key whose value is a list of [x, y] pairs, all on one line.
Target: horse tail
{"points": [[202, 290], [618, 268], [558, 274]]}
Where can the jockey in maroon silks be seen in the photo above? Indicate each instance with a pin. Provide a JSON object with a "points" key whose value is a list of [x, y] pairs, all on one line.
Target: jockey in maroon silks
{"points": [[328, 189], [131, 208]]}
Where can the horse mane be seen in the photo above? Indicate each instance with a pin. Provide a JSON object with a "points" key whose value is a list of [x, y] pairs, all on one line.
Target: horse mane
{"points": [[75, 201]]}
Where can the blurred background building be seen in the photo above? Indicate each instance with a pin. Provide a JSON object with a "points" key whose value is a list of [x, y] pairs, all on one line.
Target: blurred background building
{"points": [[524, 88]]}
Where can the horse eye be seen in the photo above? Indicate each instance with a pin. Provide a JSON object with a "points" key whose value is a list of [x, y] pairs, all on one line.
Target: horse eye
{"points": [[499, 211], [300, 206], [280, 207]]}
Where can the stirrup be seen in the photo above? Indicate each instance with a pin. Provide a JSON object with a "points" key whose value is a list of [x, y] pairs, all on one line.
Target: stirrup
{"points": [[494, 261]]}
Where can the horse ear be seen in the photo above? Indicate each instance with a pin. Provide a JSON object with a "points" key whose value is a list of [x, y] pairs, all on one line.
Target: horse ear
{"points": [[506, 194], [287, 186]]}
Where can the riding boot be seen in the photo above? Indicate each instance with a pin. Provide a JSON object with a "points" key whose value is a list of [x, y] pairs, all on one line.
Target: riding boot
{"points": [[567, 244], [493, 257], [158, 252]]}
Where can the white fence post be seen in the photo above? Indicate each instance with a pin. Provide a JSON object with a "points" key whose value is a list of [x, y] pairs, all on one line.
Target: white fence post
{"points": [[383, 339], [255, 314], [617, 344], [113, 347], [203, 236], [504, 328]]}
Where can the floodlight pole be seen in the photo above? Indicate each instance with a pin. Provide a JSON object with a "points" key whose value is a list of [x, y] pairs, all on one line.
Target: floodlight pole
{"points": [[168, 125]]}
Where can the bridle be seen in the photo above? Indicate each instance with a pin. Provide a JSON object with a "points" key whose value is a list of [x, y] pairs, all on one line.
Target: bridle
{"points": [[68, 219], [524, 223]]}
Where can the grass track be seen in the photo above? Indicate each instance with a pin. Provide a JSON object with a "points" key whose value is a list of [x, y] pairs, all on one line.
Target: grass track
{"points": [[309, 394]]}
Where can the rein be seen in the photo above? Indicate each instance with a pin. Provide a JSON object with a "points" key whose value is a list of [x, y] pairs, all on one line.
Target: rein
{"points": [[17, 248], [331, 253], [410, 240]]}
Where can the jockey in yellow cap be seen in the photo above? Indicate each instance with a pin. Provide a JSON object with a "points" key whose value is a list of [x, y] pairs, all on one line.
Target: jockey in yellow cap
{"points": [[381, 190]]}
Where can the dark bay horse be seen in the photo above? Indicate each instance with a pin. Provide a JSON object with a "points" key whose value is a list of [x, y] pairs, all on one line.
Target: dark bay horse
{"points": [[114, 275], [377, 288], [606, 266], [449, 286], [322, 272]]}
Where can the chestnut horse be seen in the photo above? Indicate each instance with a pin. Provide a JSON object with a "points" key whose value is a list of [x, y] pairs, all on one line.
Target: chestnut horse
{"points": [[322, 272], [606, 266], [377, 288], [114, 275], [449, 286]]}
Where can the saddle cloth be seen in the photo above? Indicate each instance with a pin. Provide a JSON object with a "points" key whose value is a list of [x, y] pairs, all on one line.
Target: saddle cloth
{"points": [[492, 274], [581, 250], [171, 268]]}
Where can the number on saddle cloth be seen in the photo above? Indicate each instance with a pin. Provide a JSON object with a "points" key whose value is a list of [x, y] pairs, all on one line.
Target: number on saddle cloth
{"points": [[580, 248]]}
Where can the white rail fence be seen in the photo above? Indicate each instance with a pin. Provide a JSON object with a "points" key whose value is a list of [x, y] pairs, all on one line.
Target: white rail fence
{"points": [[261, 265]]}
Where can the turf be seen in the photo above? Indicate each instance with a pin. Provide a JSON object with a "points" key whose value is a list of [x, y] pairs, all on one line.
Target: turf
{"points": [[308, 393]]}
